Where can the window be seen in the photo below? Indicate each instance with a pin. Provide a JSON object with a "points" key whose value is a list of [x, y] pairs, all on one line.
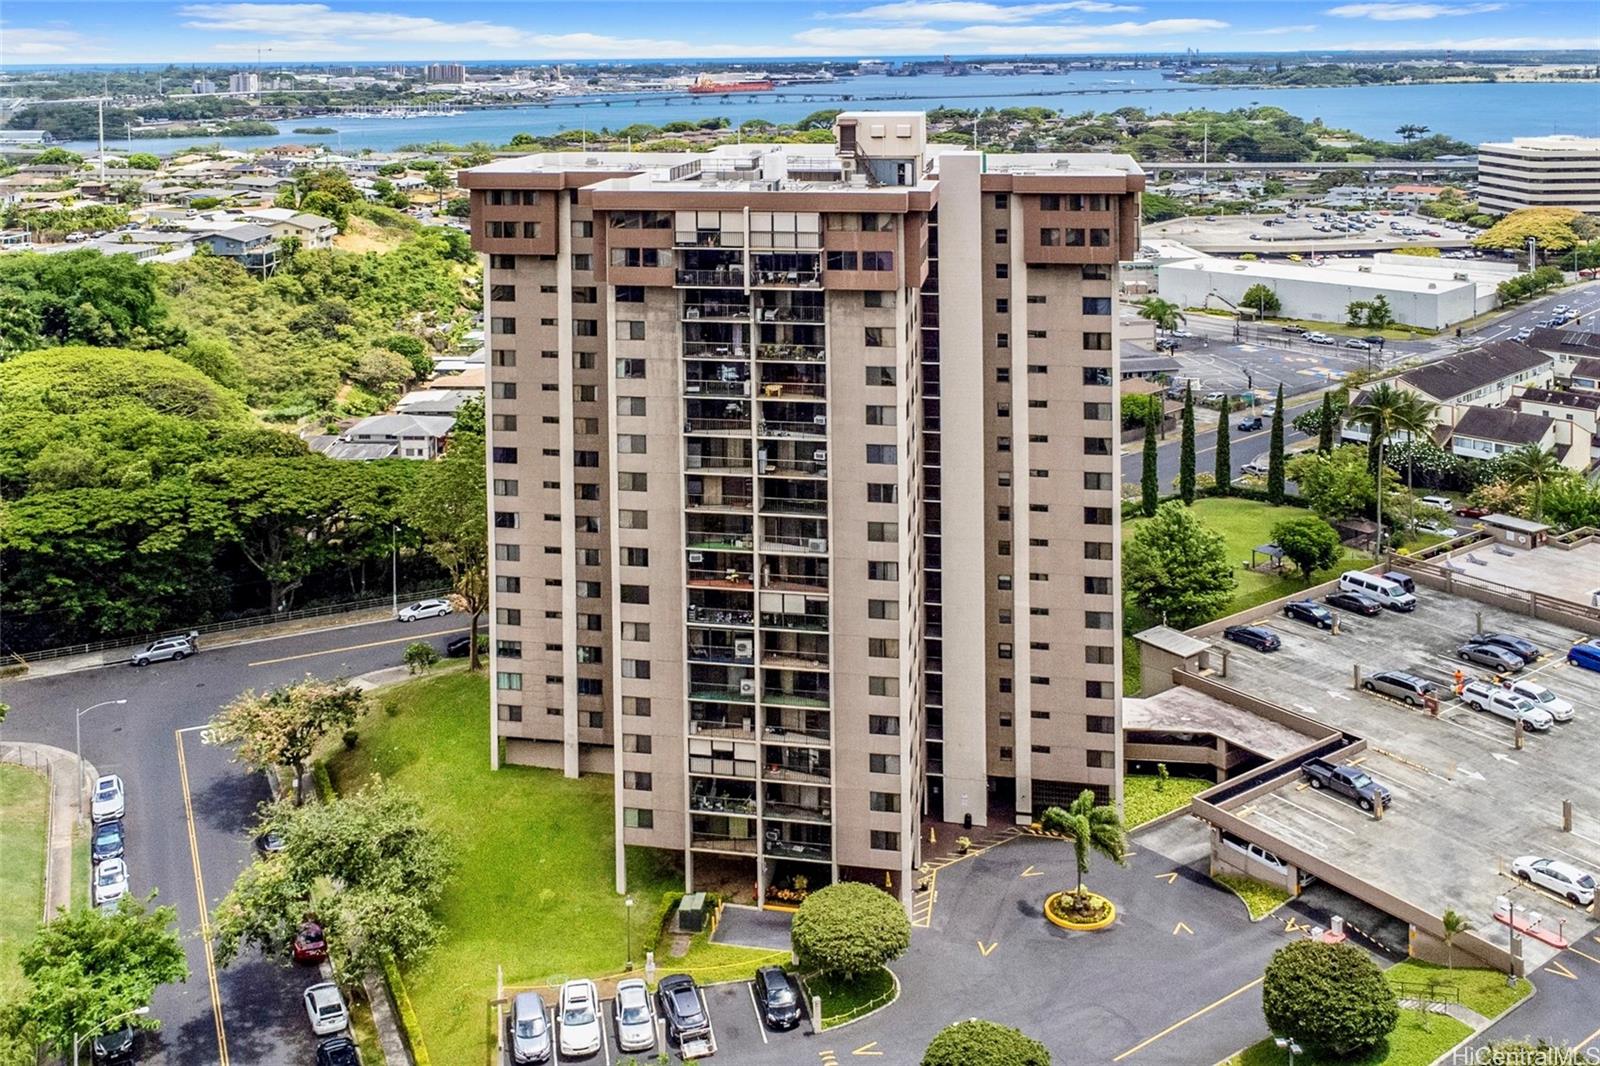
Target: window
{"points": [[510, 712], [503, 583], [631, 330], [1039, 716], [585, 458], [1001, 236], [1002, 582], [883, 725], [505, 486], [1097, 305], [636, 743], [1005, 754], [1097, 342], [630, 368], [636, 631], [590, 654], [637, 780], [1098, 655], [1096, 272], [630, 444], [1097, 446], [582, 228], [585, 393], [503, 357], [882, 492], [883, 764], [633, 519], [882, 454], [1002, 201], [591, 686], [507, 553], [502, 262], [503, 390], [633, 406], [635, 556], [1002, 340], [1002, 374], [1049, 237], [1004, 685], [1097, 516], [1040, 749], [841, 261], [1099, 238], [880, 415], [506, 520], [1002, 270], [503, 423], [508, 682], [502, 293], [1097, 549], [638, 818], [1097, 619], [588, 590], [585, 327], [1097, 412], [1097, 690], [884, 803], [638, 706], [503, 455], [629, 294], [883, 648], [633, 481], [1100, 723], [883, 610], [884, 840], [585, 261], [1097, 586], [1100, 760], [883, 532], [635, 594], [639, 669], [883, 686], [503, 324], [1003, 650], [873, 336], [1002, 306], [882, 571], [1002, 444], [877, 260], [507, 616], [585, 490]]}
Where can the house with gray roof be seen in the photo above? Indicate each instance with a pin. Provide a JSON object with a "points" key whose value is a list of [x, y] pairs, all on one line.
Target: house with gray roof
{"points": [[412, 436]]}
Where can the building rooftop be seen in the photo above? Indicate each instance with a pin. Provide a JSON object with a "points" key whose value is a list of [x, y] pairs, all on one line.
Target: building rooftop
{"points": [[1555, 142], [1502, 424], [1172, 641], [1513, 523], [1566, 341], [1578, 401], [1379, 276], [1185, 710], [401, 426], [1467, 371]]}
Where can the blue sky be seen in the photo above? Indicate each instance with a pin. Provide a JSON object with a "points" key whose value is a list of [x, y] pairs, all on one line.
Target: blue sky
{"points": [[109, 31]]}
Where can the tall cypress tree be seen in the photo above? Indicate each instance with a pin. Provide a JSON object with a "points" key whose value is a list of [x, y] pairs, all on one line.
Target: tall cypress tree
{"points": [[1186, 458], [1325, 434], [1150, 483], [1275, 455], [1224, 467]]}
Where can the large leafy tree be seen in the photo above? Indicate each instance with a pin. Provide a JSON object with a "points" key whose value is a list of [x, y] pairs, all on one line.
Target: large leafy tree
{"points": [[1176, 569], [1262, 300], [84, 380], [90, 971], [1164, 313], [449, 507], [848, 930], [368, 866], [1534, 468], [1571, 502], [975, 1042], [1340, 484], [85, 297], [1330, 998], [1095, 829], [282, 727], [1309, 542], [1556, 229]]}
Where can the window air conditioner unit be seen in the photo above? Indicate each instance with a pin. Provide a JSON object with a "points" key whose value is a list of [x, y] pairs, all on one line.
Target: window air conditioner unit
{"points": [[817, 544], [820, 455], [697, 557], [744, 649], [747, 686], [820, 420]]}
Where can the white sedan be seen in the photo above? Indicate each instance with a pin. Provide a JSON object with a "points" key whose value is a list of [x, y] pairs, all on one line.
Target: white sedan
{"points": [[109, 801], [1562, 878], [580, 1018], [1443, 503], [110, 882], [424, 609], [1543, 698]]}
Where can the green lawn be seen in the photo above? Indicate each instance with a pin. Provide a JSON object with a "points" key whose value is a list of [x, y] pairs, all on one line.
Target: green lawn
{"points": [[1484, 991], [843, 1001], [1142, 801], [1259, 898], [1416, 1041], [533, 889], [24, 808]]}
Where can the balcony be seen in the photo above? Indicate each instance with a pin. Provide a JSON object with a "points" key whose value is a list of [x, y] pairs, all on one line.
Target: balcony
{"points": [[720, 842], [794, 651], [705, 500], [793, 579], [728, 311], [792, 353], [710, 532], [718, 646], [722, 277], [716, 386], [816, 428], [792, 842], [707, 238], [715, 349], [716, 721], [791, 812], [793, 694], [711, 615], [790, 313], [722, 757], [807, 536], [809, 766], [711, 799], [786, 270], [774, 504]]}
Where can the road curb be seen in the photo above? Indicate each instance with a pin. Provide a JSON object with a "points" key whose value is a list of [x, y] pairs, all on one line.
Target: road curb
{"points": [[60, 768]]}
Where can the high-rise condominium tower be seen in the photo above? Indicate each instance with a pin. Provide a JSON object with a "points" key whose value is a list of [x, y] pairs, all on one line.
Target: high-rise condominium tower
{"points": [[804, 462]]}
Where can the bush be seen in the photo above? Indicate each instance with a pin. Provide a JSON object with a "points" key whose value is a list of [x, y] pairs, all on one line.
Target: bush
{"points": [[351, 738], [419, 657], [410, 1027], [849, 929], [1332, 998], [981, 1043]]}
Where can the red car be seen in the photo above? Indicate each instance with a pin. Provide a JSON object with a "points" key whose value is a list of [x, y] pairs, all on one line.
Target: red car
{"points": [[1473, 512], [310, 945]]}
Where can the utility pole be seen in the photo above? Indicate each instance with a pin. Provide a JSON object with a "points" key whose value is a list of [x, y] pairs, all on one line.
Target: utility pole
{"points": [[102, 103]]}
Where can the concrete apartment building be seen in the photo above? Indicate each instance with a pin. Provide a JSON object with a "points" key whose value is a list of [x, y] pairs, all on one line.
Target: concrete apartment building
{"points": [[1556, 171], [805, 489]]}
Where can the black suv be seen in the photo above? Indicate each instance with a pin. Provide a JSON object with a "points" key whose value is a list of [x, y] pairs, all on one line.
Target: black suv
{"points": [[1258, 637], [1309, 611], [114, 1047], [780, 1002], [338, 1051], [682, 1007]]}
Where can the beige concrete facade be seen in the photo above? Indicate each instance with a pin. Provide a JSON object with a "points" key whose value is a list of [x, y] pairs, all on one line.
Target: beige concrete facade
{"points": [[757, 416]]}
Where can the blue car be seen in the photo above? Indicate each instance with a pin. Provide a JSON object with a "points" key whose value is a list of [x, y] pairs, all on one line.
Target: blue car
{"points": [[1586, 655], [108, 842]]}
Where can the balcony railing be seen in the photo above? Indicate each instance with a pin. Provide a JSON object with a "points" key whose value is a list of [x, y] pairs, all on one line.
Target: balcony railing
{"points": [[736, 805], [719, 541], [813, 429], [707, 503], [711, 463], [716, 387], [717, 349], [696, 312], [728, 577], [720, 616], [794, 812], [712, 842], [809, 545], [711, 653], [716, 425], [789, 314], [794, 582], [719, 694], [814, 623], [806, 279], [726, 277], [805, 353], [788, 660], [773, 390], [786, 698], [792, 505], [741, 729], [798, 849], [708, 239], [802, 772]]}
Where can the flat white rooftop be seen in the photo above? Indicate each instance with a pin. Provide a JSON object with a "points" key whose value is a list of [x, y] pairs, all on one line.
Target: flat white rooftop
{"points": [[1327, 273]]}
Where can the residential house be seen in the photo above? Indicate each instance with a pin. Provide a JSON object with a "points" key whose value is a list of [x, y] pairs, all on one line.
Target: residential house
{"points": [[1585, 374], [314, 231], [1487, 432], [413, 436], [441, 403], [1575, 413], [1566, 347], [469, 380], [1483, 376], [253, 247], [339, 448]]}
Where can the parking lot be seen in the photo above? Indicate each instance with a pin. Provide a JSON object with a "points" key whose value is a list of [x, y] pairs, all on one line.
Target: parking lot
{"points": [[1466, 800], [1267, 234]]}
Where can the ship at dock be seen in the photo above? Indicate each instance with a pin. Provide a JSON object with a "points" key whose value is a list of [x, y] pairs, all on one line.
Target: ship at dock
{"points": [[728, 83]]}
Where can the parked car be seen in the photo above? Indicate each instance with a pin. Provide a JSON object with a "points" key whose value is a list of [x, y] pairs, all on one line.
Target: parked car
{"points": [[1493, 656], [1167, 344], [1181, 332], [1359, 602], [1291, 328], [1524, 333], [1259, 466], [1212, 398], [1585, 655], [682, 1008], [1309, 611], [1319, 338], [1351, 781], [174, 648], [338, 1051], [636, 1022], [109, 841], [1251, 424], [1397, 684], [1482, 696], [1443, 503], [1407, 585], [458, 647], [117, 1046], [780, 1001], [1560, 309], [1392, 594], [580, 1018], [1527, 650], [108, 802], [325, 1009], [1562, 878], [110, 882], [270, 843], [1542, 698], [1356, 342], [530, 1029], [424, 609], [1473, 511], [1258, 637], [310, 942]]}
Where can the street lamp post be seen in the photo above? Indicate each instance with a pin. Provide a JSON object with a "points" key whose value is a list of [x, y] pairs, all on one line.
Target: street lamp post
{"points": [[1285, 1044], [394, 569], [77, 1041], [77, 740], [628, 903]]}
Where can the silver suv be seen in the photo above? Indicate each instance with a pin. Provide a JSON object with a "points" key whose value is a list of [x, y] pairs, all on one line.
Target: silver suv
{"points": [[173, 648]]}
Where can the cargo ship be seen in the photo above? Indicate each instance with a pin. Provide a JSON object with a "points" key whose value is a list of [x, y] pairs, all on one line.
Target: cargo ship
{"points": [[708, 83]]}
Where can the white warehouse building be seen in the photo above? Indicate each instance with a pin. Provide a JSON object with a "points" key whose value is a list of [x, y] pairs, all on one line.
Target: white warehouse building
{"points": [[1418, 295]]}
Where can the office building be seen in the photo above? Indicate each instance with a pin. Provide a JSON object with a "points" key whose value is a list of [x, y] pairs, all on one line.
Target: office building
{"points": [[805, 492], [1556, 171], [448, 73], [244, 82]]}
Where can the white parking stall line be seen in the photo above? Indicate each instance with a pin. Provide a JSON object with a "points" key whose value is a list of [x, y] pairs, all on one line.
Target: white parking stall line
{"points": [[1587, 861], [755, 1005], [1321, 818], [1287, 828], [605, 1039], [555, 1040]]}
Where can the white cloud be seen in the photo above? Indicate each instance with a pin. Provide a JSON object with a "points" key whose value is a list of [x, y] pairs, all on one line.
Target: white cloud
{"points": [[1279, 31], [1014, 39], [1398, 12], [974, 10], [17, 42], [1475, 44]]}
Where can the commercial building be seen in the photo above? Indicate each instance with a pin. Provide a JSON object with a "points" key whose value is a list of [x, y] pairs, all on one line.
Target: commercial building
{"points": [[244, 82], [1556, 171], [446, 73], [729, 396]]}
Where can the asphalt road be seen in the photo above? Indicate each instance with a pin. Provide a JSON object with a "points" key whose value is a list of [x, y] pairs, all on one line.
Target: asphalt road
{"points": [[1242, 447], [189, 808]]}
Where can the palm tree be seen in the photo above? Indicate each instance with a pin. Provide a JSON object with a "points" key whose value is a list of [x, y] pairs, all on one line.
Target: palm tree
{"points": [[1416, 417], [1092, 827], [1411, 131], [1533, 466], [1164, 313], [1455, 924], [1376, 409]]}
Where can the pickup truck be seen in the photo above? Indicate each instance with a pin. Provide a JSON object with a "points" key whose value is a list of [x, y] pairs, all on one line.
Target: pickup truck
{"points": [[1349, 781], [1482, 696]]}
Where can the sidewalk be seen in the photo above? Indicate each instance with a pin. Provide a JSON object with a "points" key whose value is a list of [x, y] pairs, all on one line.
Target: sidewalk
{"points": [[60, 768]]}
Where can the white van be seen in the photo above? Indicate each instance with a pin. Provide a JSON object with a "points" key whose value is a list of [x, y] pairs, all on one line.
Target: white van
{"points": [[1386, 592]]}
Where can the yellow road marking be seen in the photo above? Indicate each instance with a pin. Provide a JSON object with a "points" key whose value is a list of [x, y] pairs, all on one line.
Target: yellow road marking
{"points": [[1182, 926], [984, 949], [1586, 1041], [867, 1049], [205, 910], [1031, 872], [1556, 967], [828, 1058], [1207, 1009], [349, 647], [1292, 926], [1585, 954], [1168, 877]]}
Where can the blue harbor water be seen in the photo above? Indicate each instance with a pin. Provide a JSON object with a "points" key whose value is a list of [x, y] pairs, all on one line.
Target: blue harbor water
{"points": [[1471, 112]]}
